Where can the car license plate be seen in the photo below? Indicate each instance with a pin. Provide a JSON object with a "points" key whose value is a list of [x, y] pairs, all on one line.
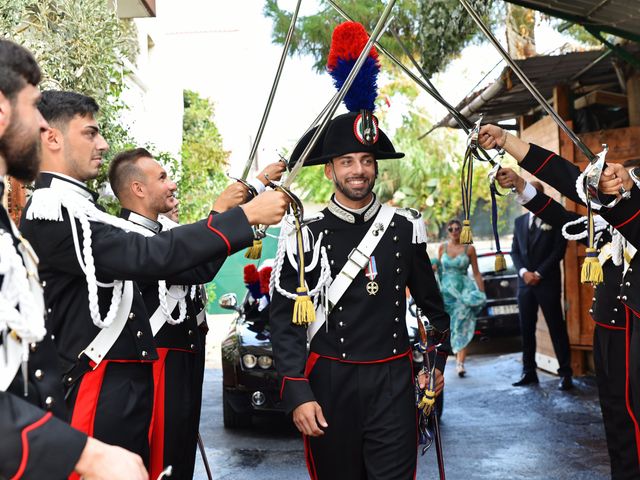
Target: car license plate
{"points": [[503, 309]]}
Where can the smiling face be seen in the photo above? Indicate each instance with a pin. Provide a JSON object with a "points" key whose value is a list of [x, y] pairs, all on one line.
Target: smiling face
{"points": [[354, 176], [84, 147], [158, 188], [453, 230]]}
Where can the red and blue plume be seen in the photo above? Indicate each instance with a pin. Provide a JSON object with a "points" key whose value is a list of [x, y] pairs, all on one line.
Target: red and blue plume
{"points": [[252, 280], [349, 38]]}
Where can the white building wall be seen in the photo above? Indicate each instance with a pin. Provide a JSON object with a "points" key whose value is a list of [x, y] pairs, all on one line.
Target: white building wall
{"points": [[154, 93]]}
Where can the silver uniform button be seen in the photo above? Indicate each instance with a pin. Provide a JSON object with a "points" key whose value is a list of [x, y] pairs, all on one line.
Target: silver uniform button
{"points": [[398, 270], [594, 298], [33, 347], [132, 316], [342, 340], [397, 303], [393, 224], [591, 310], [395, 335], [48, 310], [344, 355], [332, 262], [190, 332], [624, 298], [144, 354], [139, 334], [341, 324], [329, 247], [340, 308], [615, 309], [44, 283], [192, 346], [49, 402], [628, 284], [396, 320], [395, 351], [395, 238], [613, 321], [397, 254], [398, 287], [38, 374]]}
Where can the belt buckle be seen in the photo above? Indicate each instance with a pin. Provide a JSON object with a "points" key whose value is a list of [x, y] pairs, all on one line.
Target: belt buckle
{"points": [[361, 260]]}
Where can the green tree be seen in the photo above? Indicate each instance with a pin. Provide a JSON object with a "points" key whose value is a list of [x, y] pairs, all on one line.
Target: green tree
{"points": [[81, 46], [201, 171], [434, 31]]}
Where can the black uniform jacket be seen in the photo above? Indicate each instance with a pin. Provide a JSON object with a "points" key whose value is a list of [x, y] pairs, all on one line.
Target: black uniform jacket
{"points": [[361, 327], [625, 217], [184, 335], [123, 256], [606, 310]]}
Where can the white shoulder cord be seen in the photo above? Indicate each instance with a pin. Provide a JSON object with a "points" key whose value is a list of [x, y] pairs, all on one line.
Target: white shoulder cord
{"points": [[599, 224], [20, 310], [182, 303], [323, 281]]}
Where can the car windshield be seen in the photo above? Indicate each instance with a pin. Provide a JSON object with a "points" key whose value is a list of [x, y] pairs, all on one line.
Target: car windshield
{"points": [[486, 264]]}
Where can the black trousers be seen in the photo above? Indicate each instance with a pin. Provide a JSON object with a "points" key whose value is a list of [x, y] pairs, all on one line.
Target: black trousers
{"points": [[114, 404], [633, 374], [529, 298], [371, 412], [610, 362]]}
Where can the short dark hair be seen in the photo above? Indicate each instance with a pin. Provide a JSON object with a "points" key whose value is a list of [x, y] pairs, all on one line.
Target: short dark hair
{"points": [[58, 107], [632, 162], [17, 68], [454, 221], [123, 168]]}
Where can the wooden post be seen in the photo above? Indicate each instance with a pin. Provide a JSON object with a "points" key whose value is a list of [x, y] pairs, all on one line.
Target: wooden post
{"points": [[633, 98]]}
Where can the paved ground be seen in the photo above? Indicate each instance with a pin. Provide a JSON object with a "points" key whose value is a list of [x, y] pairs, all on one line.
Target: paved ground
{"points": [[490, 429]]}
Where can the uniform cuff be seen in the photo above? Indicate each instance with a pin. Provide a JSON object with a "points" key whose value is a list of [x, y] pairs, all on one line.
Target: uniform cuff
{"points": [[294, 392], [258, 185], [527, 194], [233, 227]]}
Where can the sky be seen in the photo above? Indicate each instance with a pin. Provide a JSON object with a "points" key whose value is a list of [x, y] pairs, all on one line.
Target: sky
{"points": [[223, 50]]}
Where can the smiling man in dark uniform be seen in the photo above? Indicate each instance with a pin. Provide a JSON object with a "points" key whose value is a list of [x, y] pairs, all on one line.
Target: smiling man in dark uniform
{"points": [[352, 393], [145, 191]]}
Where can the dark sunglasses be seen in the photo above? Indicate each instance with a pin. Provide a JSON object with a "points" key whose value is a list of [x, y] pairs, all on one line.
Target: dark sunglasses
{"points": [[453, 229]]}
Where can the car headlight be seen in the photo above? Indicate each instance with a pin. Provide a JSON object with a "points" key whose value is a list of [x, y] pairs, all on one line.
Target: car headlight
{"points": [[265, 361], [249, 360]]}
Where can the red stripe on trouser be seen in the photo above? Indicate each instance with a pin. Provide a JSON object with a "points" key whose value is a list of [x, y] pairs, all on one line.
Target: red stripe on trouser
{"points": [[156, 432], [86, 405], [626, 385], [308, 456]]}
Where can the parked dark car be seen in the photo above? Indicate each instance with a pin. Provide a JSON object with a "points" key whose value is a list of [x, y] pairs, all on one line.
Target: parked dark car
{"points": [[500, 314], [249, 381]]}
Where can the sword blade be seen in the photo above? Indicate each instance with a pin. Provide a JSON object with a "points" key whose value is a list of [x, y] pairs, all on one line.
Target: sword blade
{"points": [[203, 454], [272, 94], [381, 26], [527, 83]]}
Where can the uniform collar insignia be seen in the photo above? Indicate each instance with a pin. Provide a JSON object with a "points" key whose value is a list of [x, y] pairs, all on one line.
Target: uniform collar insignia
{"points": [[141, 220], [61, 181], [351, 216]]}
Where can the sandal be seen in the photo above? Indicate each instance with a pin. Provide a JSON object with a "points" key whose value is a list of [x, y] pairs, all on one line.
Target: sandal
{"points": [[460, 369]]}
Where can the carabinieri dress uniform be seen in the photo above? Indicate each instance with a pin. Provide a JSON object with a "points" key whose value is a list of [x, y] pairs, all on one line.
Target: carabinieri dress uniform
{"points": [[176, 373], [566, 177], [36, 441], [358, 366], [95, 308], [609, 338]]}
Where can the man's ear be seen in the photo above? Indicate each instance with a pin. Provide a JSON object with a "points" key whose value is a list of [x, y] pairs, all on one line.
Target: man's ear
{"points": [[137, 189], [52, 139], [328, 170], [5, 113]]}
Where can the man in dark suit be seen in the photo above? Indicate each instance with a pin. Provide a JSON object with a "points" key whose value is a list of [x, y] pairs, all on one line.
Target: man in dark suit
{"points": [[536, 252]]}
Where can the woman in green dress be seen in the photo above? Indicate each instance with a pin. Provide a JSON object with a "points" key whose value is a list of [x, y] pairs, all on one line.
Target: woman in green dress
{"points": [[463, 297]]}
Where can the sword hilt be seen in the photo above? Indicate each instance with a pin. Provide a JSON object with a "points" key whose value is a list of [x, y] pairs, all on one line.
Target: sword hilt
{"points": [[253, 193]]}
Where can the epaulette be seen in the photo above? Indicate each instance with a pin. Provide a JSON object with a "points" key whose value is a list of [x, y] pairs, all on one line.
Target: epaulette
{"points": [[415, 217]]}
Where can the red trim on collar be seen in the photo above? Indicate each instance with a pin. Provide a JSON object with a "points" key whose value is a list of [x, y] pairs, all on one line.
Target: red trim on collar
{"points": [[544, 163], [215, 230], [25, 443]]}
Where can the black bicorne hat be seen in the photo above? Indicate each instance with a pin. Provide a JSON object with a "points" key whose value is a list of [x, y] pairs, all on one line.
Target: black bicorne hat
{"points": [[346, 134]]}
